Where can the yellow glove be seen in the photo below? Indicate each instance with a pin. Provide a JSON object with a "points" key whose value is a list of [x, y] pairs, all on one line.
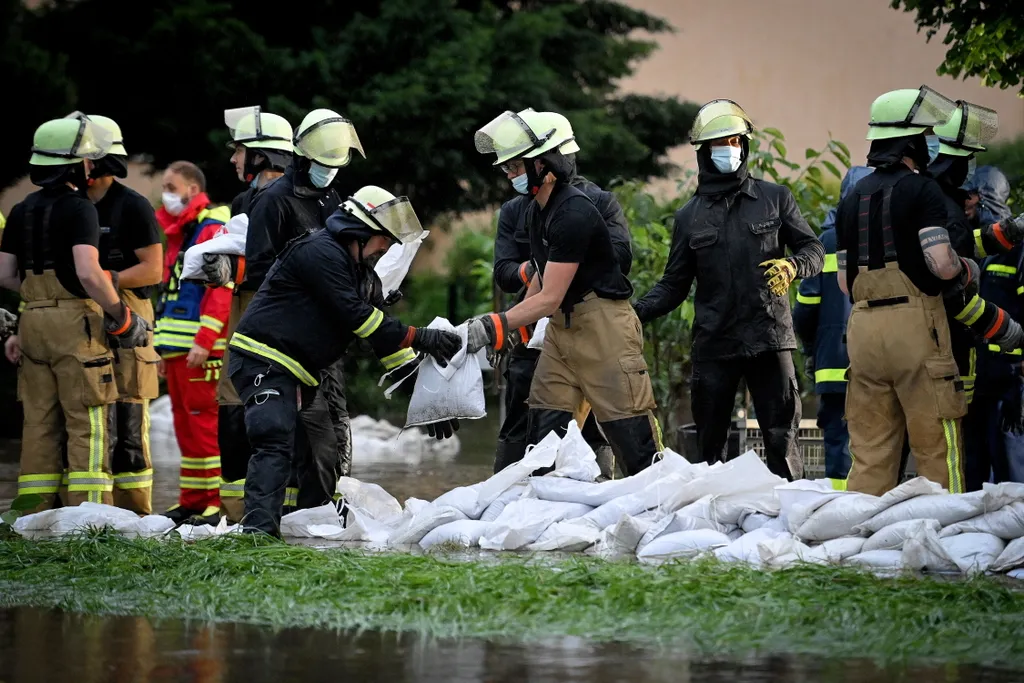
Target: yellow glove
{"points": [[780, 275]]}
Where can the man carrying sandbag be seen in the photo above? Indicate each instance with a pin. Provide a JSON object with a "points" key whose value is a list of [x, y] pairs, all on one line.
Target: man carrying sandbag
{"points": [[593, 347], [313, 303]]}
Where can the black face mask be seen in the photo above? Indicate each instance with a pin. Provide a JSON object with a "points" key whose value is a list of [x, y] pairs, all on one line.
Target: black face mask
{"points": [[949, 171], [711, 181], [112, 164]]}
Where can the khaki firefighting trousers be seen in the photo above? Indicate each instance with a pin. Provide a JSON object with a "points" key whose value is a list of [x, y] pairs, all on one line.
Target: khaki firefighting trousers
{"points": [[234, 460], [138, 382], [66, 385], [902, 377]]}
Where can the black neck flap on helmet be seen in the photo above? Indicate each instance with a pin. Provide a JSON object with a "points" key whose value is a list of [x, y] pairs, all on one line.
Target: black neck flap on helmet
{"points": [[554, 162], [890, 151], [712, 182], [51, 176], [950, 172], [111, 164], [261, 159]]}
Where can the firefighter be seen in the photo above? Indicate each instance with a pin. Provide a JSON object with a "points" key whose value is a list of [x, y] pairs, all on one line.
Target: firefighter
{"points": [[903, 375], [50, 254], [820, 319], [593, 347], [297, 203], [190, 338], [732, 239], [513, 269], [130, 246], [311, 306]]}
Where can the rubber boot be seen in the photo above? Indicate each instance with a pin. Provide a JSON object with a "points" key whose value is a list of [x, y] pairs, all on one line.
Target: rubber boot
{"points": [[508, 453], [633, 438]]}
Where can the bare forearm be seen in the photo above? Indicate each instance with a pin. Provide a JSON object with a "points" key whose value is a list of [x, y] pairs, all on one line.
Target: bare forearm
{"points": [[97, 285], [139, 275], [939, 255], [530, 310]]}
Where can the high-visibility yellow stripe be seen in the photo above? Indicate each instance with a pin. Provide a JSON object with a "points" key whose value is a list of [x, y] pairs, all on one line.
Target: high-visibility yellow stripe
{"points": [[995, 349], [39, 477], [972, 311], [291, 496], [220, 345], [97, 422], [809, 300], [838, 484], [232, 489], [240, 341], [38, 483], [173, 341], [134, 480], [201, 483], [952, 456], [398, 358], [997, 268], [370, 325], [174, 325], [978, 244], [221, 214], [831, 264], [200, 463], [147, 456], [210, 322], [830, 375], [1020, 290]]}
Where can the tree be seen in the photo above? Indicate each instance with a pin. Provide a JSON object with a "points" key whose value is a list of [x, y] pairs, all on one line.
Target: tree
{"points": [[984, 37], [417, 77]]}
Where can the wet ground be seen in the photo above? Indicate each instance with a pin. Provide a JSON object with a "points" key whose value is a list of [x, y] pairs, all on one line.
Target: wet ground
{"points": [[37, 645]]}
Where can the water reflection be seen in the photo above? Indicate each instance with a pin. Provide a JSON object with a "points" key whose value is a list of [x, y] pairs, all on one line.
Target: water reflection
{"points": [[37, 645]]}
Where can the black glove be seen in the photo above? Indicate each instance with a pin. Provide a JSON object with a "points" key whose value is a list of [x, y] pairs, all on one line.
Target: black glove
{"points": [[8, 324], [440, 344], [217, 268], [393, 298], [487, 330], [966, 284], [444, 429], [1013, 228], [1011, 414], [809, 367], [128, 332]]}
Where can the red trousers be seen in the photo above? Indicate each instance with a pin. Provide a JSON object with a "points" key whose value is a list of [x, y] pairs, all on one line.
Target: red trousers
{"points": [[193, 394]]}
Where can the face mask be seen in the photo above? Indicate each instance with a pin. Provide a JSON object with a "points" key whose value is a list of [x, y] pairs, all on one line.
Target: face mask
{"points": [[727, 159], [321, 176], [933, 147], [521, 184], [255, 182], [173, 204]]}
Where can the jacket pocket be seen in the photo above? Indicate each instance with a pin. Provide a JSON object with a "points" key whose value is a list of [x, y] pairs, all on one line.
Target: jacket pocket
{"points": [[766, 226], [638, 383], [96, 375], [766, 232], [704, 238], [950, 400]]}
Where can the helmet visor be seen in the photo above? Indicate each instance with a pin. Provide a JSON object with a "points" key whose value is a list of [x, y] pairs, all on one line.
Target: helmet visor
{"points": [[931, 109], [977, 127], [509, 137], [398, 218], [719, 119], [92, 141], [330, 142]]}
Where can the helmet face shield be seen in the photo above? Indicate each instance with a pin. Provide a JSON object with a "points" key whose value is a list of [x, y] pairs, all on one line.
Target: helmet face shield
{"points": [[968, 130], [329, 142], [902, 113], [256, 129], [64, 141], [509, 137], [720, 119], [385, 213]]}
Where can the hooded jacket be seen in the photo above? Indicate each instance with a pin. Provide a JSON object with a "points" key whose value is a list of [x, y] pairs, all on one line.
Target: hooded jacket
{"points": [[719, 240], [309, 309], [822, 309]]}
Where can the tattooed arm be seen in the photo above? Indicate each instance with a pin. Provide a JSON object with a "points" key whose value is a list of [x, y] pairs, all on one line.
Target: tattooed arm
{"points": [[939, 256], [841, 271]]}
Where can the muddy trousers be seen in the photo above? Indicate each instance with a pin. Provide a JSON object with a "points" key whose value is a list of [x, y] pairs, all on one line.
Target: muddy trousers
{"points": [[836, 437], [595, 354], [66, 386], [193, 393], [902, 378], [512, 437], [771, 379]]}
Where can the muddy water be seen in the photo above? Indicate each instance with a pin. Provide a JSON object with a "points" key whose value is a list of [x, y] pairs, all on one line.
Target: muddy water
{"points": [[38, 645]]}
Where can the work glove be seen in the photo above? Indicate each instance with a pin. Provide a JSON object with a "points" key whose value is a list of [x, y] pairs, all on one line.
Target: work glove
{"points": [[487, 330], [1013, 228], [8, 324], [809, 367], [440, 344], [780, 274], [127, 332], [1009, 337], [393, 298], [1011, 413], [444, 429], [964, 286], [217, 269]]}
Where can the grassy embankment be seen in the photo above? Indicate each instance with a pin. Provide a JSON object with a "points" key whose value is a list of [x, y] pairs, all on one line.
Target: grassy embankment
{"points": [[704, 606]]}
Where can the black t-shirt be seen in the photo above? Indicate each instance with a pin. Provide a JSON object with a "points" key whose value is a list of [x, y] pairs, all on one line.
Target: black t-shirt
{"points": [[127, 223], [73, 221], [917, 203], [569, 229]]}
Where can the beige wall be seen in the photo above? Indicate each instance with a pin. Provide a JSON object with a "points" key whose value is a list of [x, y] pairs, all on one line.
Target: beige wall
{"points": [[138, 179], [806, 67]]}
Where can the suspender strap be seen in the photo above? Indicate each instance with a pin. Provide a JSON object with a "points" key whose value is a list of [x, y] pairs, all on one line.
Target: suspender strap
{"points": [[888, 239], [863, 229]]}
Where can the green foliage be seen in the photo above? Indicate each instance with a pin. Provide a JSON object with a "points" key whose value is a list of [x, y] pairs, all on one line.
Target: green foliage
{"points": [[705, 608], [417, 77], [984, 38]]}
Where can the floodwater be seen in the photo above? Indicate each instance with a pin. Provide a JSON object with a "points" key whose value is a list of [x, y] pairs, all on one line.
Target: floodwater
{"points": [[38, 645]]}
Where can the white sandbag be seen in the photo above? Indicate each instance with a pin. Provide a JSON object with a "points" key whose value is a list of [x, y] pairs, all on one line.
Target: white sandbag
{"points": [[493, 510], [621, 538], [744, 549], [188, 532], [733, 509], [1011, 558], [838, 517], [230, 240], [895, 535], [945, 508], [413, 529], [537, 340], [465, 499], [798, 499], [877, 559], [394, 265], [973, 553], [380, 443], [735, 533], [414, 506], [455, 391], [1007, 523], [523, 521], [575, 459], [567, 537], [1011, 491], [1016, 574], [683, 544], [540, 456], [370, 498], [653, 495], [359, 526], [754, 521], [742, 474], [74, 519], [924, 552], [465, 534], [675, 522], [835, 551], [296, 523], [781, 551]]}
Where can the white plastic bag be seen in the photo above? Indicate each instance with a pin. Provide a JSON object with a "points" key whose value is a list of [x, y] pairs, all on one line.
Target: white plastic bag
{"points": [[537, 340], [296, 524], [455, 391], [1007, 523], [895, 535], [523, 521], [943, 507], [74, 519], [372, 499], [394, 264], [188, 532], [575, 459], [683, 544], [566, 536], [413, 529], [230, 241], [465, 533]]}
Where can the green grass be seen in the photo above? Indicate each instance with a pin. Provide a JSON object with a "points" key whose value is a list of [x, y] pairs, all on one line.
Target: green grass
{"points": [[705, 607]]}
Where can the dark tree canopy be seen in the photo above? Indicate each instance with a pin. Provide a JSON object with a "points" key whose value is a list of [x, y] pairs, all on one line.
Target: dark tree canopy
{"points": [[417, 77], [985, 37]]}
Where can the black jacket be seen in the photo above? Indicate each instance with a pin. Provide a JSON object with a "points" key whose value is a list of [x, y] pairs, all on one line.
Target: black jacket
{"points": [[309, 309], [719, 241], [281, 211], [512, 244]]}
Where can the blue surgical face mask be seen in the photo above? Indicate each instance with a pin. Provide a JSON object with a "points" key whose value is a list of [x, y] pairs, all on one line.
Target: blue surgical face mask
{"points": [[933, 147], [521, 184], [727, 159], [321, 176], [255, 181]]}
